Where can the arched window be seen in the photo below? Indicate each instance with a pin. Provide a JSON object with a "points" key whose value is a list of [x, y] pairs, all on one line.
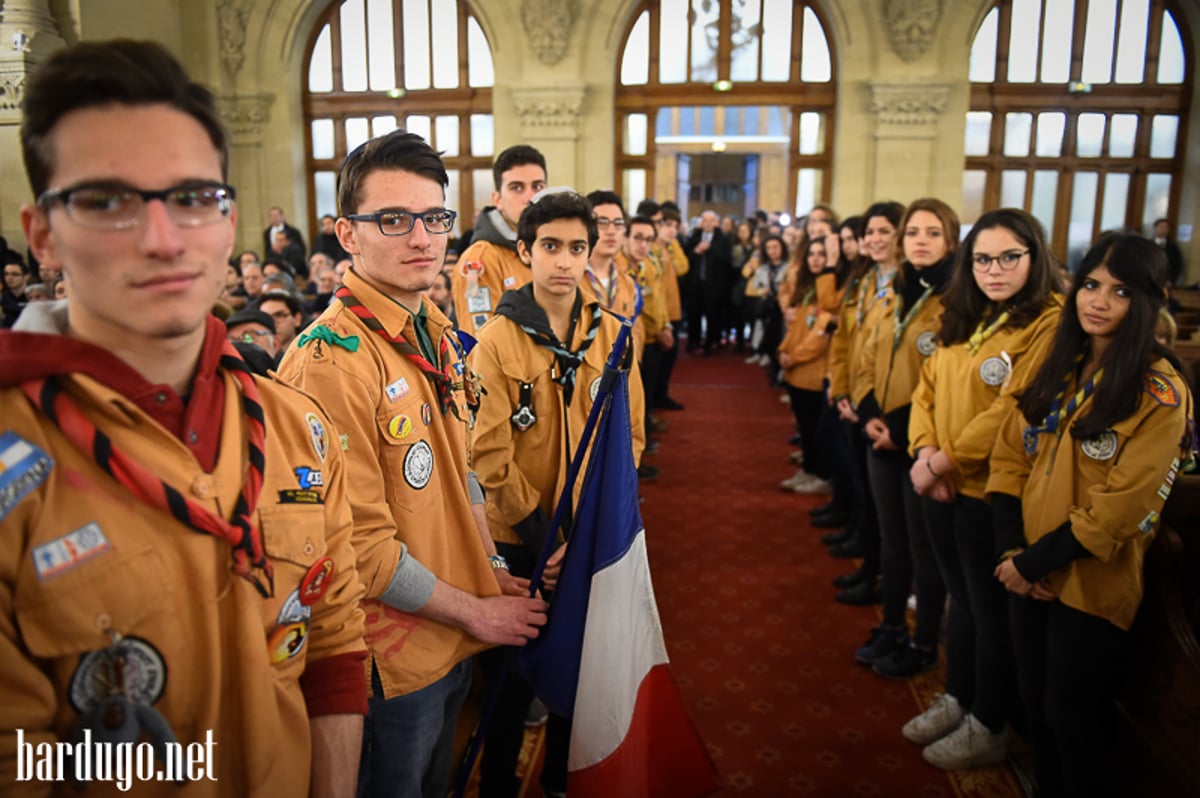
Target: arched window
{"points": [[725, 104], [375, 65], [1077, 110]]}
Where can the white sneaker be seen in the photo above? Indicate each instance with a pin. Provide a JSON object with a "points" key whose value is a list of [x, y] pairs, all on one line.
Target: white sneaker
{"points": [[942, 717], [971, 745], [801, 477], [764, 360], [816, 485], [797, 457]]}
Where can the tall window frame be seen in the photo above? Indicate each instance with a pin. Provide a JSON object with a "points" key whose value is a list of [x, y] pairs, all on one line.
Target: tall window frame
{"points": [[716, 91], [1074, 134], [369, 71]]}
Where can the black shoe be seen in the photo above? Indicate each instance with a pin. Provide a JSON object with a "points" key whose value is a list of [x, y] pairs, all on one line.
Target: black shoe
{"points": [[883, 642], [866, 592], [668, 404], [821, 509], [840, 536], [905, 663], [855, 577], [830, 520], [848, 550], [647, 473], [795, 439]]}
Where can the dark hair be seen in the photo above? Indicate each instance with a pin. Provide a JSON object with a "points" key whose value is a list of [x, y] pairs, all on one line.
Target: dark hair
{"points": [[670, 214], [551, 207], [605, 197], [762, 250], [642, 219], [116, 72], [1141, 265], [892, 211], [236, 265], [672, 205], [849, 271], [293, 304], [648, 207], [443, 278], [398, 151], [517, 155], [965, 304], [805, 279], [279, 263]]}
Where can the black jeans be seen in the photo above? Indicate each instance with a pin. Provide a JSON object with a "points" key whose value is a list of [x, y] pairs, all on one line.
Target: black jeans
{"points": [[980, 671], [651, 366], [661, 389], [906, 553], [1069, 666], [864, 518], [806, 409]]}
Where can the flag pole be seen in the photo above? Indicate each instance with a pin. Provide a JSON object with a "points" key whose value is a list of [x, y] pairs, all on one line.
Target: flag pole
{"points": [[612, 369]]}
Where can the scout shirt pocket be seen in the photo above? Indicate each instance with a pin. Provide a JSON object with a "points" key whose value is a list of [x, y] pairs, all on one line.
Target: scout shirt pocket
{"points": [[406, 455], [294, 540]]}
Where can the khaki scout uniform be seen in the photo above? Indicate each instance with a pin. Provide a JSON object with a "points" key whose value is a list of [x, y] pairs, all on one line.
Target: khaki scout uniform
{"points": [[858, 319], [624, 299], [82, 560], [807, 341], [1111, 488], [524, 470], [675, 265], [499, 269], [892, 374], [977, 391], [650, 279], [407, 467]]}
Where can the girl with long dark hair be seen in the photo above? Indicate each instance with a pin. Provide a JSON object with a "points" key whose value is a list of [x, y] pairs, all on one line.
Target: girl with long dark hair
{"points": [[772, 266], [1079, 475], [1001, 309]]}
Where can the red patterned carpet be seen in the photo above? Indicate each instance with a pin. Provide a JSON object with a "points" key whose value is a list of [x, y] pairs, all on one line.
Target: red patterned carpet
{"points": [[762, 653]]}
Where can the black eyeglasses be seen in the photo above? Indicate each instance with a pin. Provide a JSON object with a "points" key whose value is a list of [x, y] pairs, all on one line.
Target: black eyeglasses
{"points": [[604, 221], [114, 206], [1007, 261], [399, 223]]}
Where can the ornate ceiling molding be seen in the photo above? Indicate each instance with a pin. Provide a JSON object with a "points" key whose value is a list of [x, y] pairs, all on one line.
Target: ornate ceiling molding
{"points": [[548, 26], [549, 112], [911, 25], [908, 104]]}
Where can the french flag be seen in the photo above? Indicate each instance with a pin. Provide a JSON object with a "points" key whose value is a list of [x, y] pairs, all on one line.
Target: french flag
{"points": [[600, 659]]}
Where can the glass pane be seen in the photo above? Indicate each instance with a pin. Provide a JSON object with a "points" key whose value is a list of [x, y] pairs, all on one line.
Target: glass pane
{"points": [[453, 197], [1058, 27], [983, 49], [381, 48], [812, 137], [1045, 197], [779, 121], [421, 125], [687, 121], [745, 41], [357, 131], [808, 189], [1017, 131], [325, 192], [416, 44], [445, 33], [662, 125], [1170, 52], [1163, 132], [1158, 199], [979, 132], [446, 130], [1089, 138], [1116, 197], [1050, 134], [382, 125], [1012, 188], [635, 134], [483, 184], [776, 41], [1121, 135], [354, 46], [974, 183], [635, 59], [1131, 43], [1083, 210], [480, 70], [320, 68], [815, 64], [731, 124], [1098, 41], [483, 135], [1023, 48], [672, 55], [708, 121], [706, 17], [633, 186], [322, 138]]}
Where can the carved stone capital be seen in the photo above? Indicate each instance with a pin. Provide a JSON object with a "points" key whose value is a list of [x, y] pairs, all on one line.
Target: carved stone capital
{"points": [[549, 113], [907, 105], [232, 19], [12, 90], [911, 25], [548, 26], [246, 115]]}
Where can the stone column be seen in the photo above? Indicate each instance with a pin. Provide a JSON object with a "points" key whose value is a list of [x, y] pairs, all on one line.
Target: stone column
{"points": [[248, 116], [550, 120], [906, 118]]}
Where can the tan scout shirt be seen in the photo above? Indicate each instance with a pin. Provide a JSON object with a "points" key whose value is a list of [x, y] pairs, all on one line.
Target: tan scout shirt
{"points": [[650, 278], [976, 392], [876, 303], [892, 369], [624, 298], [81, 560], [1111, 488], [503, 271], [523, 470], [675, 265], [807, 341], [408, 480]]}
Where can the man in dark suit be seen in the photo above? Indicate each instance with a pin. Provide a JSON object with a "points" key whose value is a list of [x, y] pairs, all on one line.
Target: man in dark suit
{"points": [[708, 281], [1162, 237], [278, 223]]}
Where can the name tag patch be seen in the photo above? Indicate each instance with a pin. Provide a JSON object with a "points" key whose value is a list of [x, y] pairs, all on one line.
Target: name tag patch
{"points": [[481, 301], [509, 282], [23, 467], [61, 555], [397, 389]]}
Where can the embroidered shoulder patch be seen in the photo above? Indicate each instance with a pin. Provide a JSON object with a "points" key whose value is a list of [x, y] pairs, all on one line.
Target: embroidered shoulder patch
{"points": [[323, 333], [23, 467], [1159, 387]]}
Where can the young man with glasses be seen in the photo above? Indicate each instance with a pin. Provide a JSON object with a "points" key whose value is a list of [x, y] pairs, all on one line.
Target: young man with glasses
{"points": [[389, 368], [490, 265], [161, 565], [639, 261]]}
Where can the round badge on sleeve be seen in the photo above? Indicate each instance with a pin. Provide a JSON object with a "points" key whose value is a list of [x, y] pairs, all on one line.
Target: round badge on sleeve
{"points": [[316, 581], [426, 414], [291, 629], [1101, 447], [320, 438], [145, 674], [993, 371], [400, 426], [926, 343], [594, 388], [418, 465]]}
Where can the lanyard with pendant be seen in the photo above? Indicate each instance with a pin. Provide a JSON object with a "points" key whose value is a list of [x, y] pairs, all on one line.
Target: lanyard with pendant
{"points": [[902, 321], [981, 334], [1059, 411]]}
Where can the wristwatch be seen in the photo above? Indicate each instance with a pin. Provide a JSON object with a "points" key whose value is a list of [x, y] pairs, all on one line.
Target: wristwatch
{"points": [[498, 563]]}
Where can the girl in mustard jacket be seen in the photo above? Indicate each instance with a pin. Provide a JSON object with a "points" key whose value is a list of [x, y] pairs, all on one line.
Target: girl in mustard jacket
{"points": [[1000, 313], [1079, 475]]}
